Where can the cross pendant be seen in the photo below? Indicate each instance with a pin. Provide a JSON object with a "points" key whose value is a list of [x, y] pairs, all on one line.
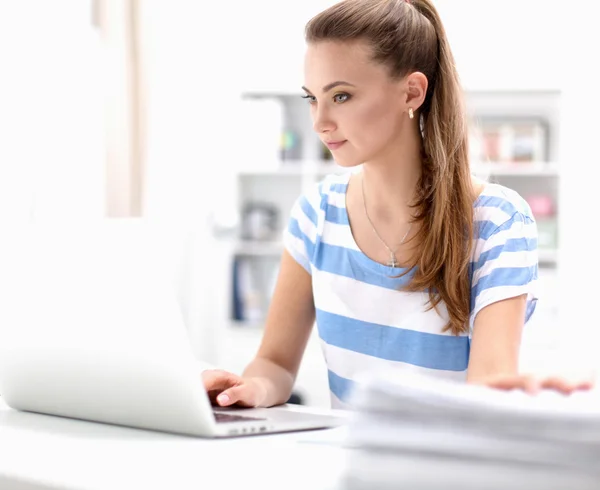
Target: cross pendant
{"points": [[392, 262]]}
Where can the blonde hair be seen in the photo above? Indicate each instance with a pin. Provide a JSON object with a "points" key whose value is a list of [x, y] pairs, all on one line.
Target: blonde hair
{"points": [[407, 37]]}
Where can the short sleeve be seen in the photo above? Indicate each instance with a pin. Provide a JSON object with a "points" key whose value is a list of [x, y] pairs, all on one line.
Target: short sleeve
{"points": [[300, 235], [505, 265]]}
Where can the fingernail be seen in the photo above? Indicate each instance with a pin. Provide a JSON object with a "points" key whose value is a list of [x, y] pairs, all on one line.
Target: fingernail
{"points": [[223, 398]]}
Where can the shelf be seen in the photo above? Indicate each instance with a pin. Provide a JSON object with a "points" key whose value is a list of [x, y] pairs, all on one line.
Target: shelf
{"points": [[284, 169], [547, 256], [250, 327], [258, 249], [315, 168], [296, 168], [536, 169]]}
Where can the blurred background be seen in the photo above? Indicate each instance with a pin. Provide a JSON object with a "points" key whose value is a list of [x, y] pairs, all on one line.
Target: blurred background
{"points": [[189, 114]]}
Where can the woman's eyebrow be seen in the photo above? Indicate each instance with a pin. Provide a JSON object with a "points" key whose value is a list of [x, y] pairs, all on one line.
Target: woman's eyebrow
{"points": [[331, 85]]}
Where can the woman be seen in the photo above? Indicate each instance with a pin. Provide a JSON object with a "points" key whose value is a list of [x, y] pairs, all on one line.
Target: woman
{"points": [[408, 262]]}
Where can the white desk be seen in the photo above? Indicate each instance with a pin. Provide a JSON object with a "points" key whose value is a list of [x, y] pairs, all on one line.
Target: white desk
{"points": [[39, 452], [45, 452]]}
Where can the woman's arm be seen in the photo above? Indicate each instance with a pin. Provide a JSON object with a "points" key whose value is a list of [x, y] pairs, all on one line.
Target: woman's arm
{"points": [[495, 346], [268, 380], [289, 323], [496, 340]]}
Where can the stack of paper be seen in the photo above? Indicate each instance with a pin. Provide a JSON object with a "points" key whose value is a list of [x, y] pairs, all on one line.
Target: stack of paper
{"points": [[421, 433]]}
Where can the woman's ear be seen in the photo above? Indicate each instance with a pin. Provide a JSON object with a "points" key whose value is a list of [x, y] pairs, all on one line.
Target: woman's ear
{"points": [[415, 89]]}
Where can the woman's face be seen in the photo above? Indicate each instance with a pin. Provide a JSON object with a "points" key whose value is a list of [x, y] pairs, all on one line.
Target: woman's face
{"points": [[355, 105]]}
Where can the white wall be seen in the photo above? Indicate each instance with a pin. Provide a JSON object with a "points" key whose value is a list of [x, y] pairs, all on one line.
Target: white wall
{"points": [[580, 271], [505, 45], [499, 45], [52, 151]]}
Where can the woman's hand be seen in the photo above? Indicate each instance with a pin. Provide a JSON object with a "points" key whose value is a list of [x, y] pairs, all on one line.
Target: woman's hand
{"points": [[225, 389], [534, 384]]}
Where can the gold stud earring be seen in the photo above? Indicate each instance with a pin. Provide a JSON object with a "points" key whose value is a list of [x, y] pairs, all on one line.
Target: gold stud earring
{"points": [[411, 113]]}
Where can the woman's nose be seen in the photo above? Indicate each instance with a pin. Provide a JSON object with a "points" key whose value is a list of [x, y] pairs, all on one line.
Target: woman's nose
{"points": [[322, 122]]}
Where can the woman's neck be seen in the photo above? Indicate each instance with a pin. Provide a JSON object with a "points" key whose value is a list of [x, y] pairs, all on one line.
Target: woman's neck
{"points": [[390, 183]]}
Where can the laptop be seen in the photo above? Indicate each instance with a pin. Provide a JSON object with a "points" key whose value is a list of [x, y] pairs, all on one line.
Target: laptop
{"points": [[91, 327]]}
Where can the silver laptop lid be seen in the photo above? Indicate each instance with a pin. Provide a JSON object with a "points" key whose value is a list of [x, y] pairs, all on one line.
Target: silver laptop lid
{"points": [[90, 327]]}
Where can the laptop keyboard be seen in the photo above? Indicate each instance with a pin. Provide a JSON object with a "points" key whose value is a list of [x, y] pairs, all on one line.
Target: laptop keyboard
{"points": [[221, 417]]}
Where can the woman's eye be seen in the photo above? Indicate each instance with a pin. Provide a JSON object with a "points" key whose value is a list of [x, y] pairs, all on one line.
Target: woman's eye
{"points": [[311, 98], [340, 98]]}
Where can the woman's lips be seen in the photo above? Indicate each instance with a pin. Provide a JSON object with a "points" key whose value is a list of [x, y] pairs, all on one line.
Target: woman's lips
{"points": [[334, 145]]}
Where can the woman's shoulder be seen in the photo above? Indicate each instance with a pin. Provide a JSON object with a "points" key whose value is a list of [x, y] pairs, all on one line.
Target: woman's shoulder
{"points": [[329, 189], [334, 182], [499, 204]]}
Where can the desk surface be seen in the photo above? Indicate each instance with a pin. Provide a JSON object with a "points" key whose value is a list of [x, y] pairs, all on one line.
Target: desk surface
{"points": [[43, 452]]}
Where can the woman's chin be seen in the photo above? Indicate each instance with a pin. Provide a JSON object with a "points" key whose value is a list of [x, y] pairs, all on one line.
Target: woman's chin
{"points": [[346, 162]]}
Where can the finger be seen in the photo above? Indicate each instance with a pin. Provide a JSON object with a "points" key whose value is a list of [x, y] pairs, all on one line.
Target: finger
{"points": [[586, 385], [585, 382], [558, 384], [531, 385], [522, 382], [217, 380], [212, 396], [211, 375], [566, 386], [502, 382], [240, 395]]}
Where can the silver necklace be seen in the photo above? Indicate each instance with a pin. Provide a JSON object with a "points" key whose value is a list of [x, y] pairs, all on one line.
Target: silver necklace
{"points": [[392, 262]]}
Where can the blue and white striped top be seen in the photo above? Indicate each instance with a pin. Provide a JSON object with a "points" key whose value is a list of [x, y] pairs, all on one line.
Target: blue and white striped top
{"points": [[365, 322]]}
